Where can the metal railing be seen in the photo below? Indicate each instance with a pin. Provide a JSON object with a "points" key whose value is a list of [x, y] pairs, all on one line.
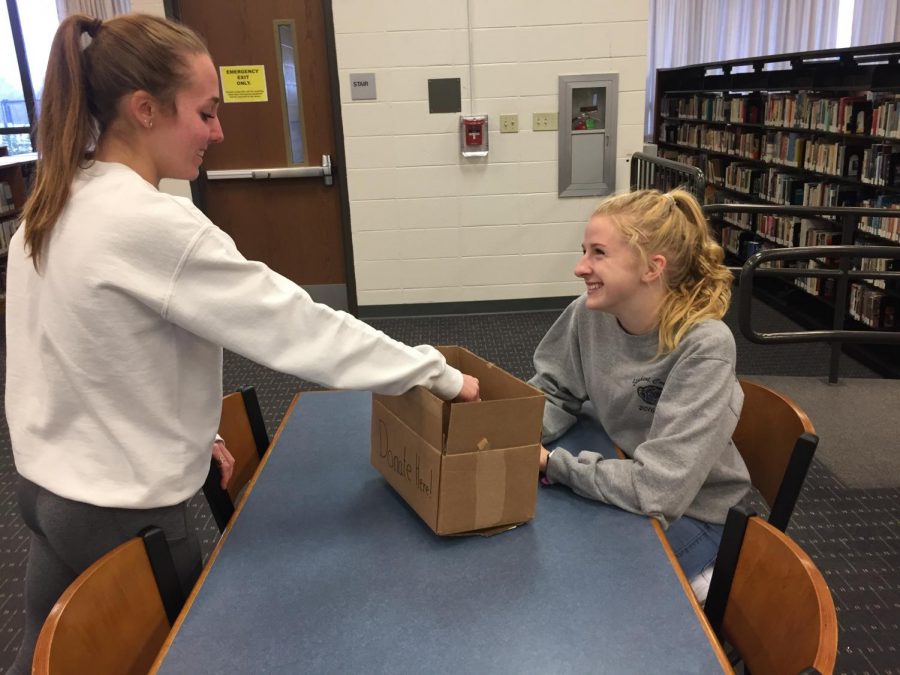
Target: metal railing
{"points": [[648, 171], [845, 255]]}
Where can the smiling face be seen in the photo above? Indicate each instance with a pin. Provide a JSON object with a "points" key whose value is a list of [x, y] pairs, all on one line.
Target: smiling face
{"points": [[610, 267], [180, 138]]}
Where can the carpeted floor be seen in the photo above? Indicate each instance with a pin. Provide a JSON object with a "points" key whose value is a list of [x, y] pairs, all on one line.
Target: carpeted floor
{"points": [[858, 443]]}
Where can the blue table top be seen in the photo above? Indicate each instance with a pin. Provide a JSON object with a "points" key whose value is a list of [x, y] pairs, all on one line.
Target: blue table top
{"points": [[327, 570]]}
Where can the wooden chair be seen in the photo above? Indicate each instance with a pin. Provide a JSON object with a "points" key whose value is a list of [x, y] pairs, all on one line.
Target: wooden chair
{"points": [[768, 600], [115, 616], [242, 426], [777, 441]]}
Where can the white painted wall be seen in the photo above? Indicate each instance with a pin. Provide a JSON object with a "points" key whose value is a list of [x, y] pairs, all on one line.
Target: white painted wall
{"points": [[431, 226]]}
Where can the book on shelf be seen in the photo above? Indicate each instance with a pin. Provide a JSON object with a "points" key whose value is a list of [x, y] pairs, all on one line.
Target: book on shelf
{"points": [[872, 307], [881, 165], [7, 203], [848, 110], [817, 233], [8, 227], [850, 158], [885, 116]]}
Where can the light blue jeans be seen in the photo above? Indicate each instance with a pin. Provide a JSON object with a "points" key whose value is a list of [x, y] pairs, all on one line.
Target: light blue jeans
{"points": [[694, 543]]}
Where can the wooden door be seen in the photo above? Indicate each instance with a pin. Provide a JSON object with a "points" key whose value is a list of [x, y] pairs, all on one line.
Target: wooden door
{"points": [[292, 224]]}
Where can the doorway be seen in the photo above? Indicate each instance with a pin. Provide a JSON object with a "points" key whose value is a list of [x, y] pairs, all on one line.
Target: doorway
{"points": [[275, 184]]}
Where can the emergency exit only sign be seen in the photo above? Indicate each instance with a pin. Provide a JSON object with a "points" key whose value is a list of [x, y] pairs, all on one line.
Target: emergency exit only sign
{"points": [[362, 86]]}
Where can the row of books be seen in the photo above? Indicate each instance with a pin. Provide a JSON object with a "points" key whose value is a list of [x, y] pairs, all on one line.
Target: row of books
{"points": [[886, 227], [740, 220], [6, 198], [873, 307], [851, 114], [788, 231], [8, 227], [820, 286], [879, 265], [680, 134], [784, 187], [780, 229], [777, 185], [817, 233], [730, 142], [877, 164], [784, 147], [837, 158], [868, 113]]}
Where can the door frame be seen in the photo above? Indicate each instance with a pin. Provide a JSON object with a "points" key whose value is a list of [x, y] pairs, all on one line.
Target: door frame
{"points": [[338, 159]]}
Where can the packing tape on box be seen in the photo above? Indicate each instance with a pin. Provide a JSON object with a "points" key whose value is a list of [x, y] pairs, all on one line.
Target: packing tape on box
{"points": [[490, 486]]}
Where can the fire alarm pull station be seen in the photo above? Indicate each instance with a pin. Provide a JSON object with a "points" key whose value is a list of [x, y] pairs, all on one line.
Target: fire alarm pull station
{"points": [[473, 135]]}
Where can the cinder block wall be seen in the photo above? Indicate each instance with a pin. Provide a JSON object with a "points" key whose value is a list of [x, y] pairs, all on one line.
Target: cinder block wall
{"points": [[432, 226]]}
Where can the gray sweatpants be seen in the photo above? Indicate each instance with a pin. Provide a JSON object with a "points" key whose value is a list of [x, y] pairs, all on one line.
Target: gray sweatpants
{"points": [[68, 536]]}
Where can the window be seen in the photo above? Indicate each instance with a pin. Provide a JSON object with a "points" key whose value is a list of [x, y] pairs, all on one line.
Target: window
{"points": [[288, 60], [26, 31]]}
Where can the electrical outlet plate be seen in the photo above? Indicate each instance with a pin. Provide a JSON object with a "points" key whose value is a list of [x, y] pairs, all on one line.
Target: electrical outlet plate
{"points": [[509, 124], [544, 121]]}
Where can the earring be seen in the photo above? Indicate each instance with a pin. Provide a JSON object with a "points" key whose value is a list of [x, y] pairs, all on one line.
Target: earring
{"points": [[149, 123]]}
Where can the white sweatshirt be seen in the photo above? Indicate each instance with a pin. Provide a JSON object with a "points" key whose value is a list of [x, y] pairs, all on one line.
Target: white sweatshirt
{"points": [[114, 351]]}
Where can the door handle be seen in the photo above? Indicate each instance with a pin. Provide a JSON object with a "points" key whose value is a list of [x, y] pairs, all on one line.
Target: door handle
{"points": [[323, 171]]}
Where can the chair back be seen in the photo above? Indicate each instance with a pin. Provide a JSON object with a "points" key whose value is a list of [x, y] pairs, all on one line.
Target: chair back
{"points": [[777, 441], [769, 601], [242, 427], [114, 618]]}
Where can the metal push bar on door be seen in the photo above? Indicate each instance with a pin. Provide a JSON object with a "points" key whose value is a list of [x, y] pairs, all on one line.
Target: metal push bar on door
{"points": [[280, 172]]}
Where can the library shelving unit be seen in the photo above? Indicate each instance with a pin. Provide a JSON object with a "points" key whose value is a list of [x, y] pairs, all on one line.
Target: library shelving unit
{"points": [[16, 176], [814, 129]]}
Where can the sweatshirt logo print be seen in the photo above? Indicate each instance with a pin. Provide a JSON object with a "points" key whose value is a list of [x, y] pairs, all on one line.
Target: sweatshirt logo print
{"points": [[649, 390], [650, 394]]}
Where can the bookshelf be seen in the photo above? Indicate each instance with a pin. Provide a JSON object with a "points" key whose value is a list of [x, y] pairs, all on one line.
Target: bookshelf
{"points": [[814, 129], [16, 176]]}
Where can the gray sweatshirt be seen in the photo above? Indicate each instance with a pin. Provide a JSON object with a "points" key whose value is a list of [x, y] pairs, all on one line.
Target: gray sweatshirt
{"points": [[672, 417]]}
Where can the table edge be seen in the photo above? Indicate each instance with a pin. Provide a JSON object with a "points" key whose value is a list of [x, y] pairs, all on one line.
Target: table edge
{"points": [[173, 632]]}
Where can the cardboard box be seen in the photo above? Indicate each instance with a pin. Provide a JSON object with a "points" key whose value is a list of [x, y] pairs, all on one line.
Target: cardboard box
{"points": [[463, 467]]}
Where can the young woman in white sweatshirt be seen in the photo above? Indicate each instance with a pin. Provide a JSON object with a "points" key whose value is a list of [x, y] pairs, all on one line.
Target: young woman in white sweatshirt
{"points": [[120, 300]]}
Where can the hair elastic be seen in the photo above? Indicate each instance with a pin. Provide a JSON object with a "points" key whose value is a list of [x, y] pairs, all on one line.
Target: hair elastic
{"points": [[93, 27]]}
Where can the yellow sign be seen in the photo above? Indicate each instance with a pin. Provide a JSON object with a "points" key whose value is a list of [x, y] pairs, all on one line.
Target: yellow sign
{"points": [[243, 84]]}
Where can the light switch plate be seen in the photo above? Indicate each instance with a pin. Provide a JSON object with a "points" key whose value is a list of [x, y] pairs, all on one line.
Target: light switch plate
{"points": [[544, 121], [509, 124]]}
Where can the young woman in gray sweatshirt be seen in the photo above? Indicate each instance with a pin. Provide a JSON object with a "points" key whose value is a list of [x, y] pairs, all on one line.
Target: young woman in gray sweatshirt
{"points": [[646, 346]]}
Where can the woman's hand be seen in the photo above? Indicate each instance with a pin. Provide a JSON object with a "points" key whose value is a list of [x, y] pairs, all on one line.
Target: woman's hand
{"points": [[470, 390], [545, 456], [226, 461]]}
